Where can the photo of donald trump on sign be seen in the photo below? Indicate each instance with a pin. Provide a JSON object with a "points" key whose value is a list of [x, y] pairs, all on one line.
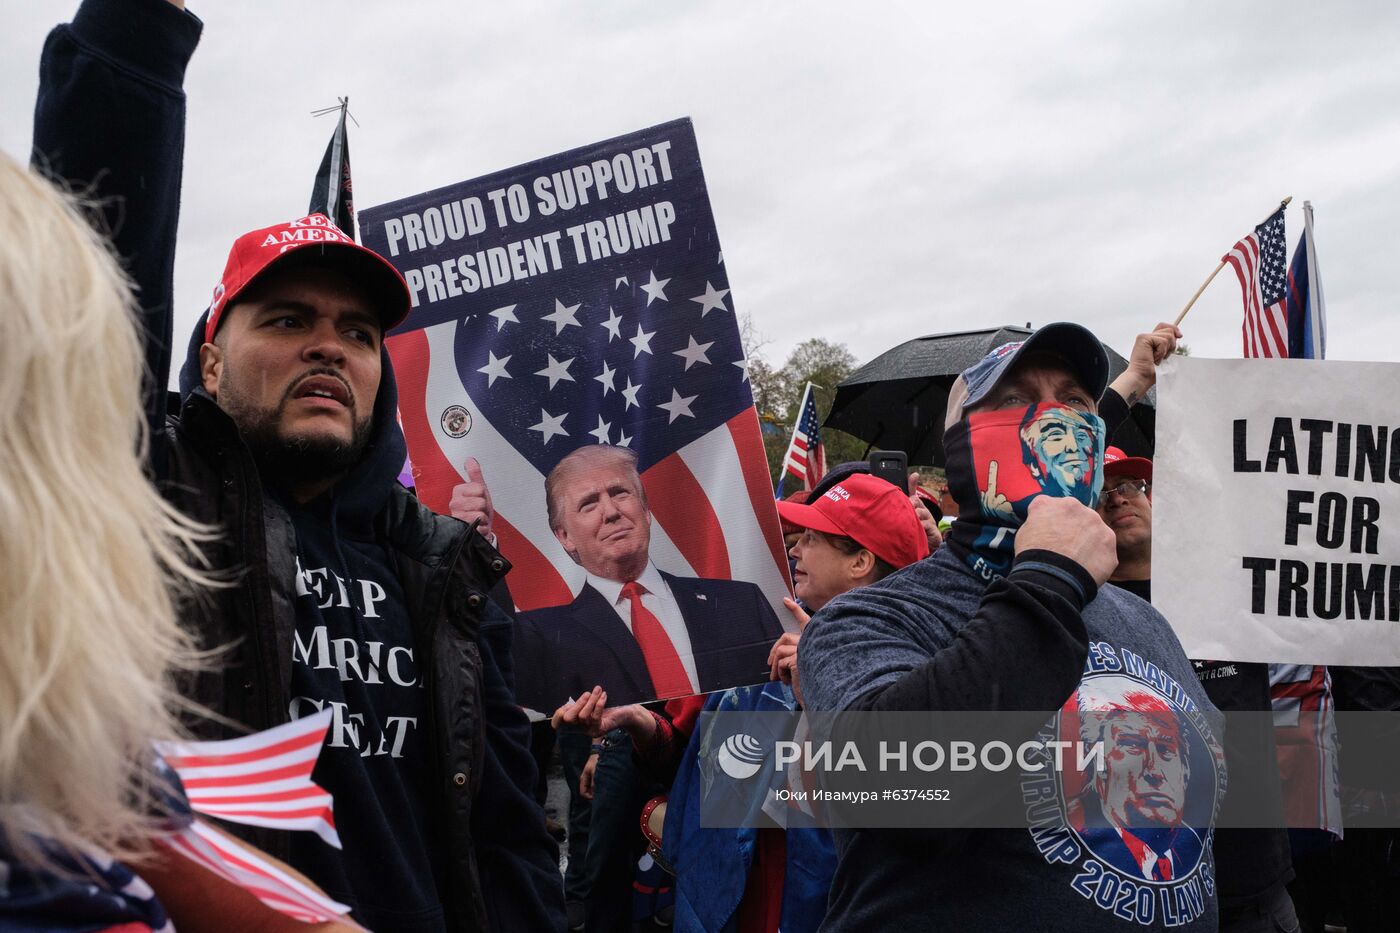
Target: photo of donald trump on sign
{"points": [[645, 632]]}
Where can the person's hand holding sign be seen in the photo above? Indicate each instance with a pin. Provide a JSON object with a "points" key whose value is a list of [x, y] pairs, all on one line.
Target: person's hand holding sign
{"points": [[471, 501], [782, 659], [591, 715], [994, 502]]}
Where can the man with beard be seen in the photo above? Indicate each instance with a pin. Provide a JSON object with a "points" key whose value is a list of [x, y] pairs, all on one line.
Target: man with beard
{"points": [[1010, 615], [344, 593]]}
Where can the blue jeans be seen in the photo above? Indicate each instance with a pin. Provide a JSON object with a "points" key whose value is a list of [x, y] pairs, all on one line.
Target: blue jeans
{"points": [[606, 855]]}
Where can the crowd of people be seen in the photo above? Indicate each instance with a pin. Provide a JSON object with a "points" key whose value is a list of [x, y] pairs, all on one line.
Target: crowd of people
{"points": [[216, 566]]}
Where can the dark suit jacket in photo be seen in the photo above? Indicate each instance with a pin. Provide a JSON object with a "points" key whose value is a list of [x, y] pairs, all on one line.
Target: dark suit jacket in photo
{"points": [[561, 651], [1103, 840]]}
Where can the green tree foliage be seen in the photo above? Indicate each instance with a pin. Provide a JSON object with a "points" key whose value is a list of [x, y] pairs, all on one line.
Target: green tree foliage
{"points": [[778, 393]]}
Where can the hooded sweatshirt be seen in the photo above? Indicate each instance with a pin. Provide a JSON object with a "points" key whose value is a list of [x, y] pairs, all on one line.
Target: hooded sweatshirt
{"points": [[353, 653], [1034, 635]]}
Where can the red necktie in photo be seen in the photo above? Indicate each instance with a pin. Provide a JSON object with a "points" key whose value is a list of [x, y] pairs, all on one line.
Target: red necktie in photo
{"points": [[668, 675]]}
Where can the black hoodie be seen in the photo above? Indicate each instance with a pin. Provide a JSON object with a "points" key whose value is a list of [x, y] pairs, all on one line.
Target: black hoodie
{"points": [[353, 653], [109, 121]]}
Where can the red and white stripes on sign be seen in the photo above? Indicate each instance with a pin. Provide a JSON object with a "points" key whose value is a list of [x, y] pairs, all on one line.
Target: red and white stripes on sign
{"points": [[246, 868], [262, 779], [1265, 327], [712, 500]]}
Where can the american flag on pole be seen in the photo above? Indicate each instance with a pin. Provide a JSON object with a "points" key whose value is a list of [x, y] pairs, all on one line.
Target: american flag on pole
{"points": [[262, 779], [806, 458], [1260, 262], [583, 299]]}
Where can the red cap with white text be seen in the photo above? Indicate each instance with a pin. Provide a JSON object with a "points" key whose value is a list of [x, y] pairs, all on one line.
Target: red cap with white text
{"points": [[313, 240], [871, 511], [1120, 464]]}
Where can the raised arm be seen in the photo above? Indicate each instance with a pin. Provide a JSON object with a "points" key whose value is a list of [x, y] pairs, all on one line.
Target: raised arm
{"points": [[109, 124], [1149, 350]]}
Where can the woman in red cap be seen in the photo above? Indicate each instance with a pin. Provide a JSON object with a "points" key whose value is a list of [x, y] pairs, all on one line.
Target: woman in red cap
{"points": [[859, 531]]}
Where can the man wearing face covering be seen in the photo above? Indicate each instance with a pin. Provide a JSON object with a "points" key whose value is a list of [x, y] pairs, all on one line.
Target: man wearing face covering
{"points": [[1012, 615]]}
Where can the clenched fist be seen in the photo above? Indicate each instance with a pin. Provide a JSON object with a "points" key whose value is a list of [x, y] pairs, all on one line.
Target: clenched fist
{"points": [[1074, 530]]}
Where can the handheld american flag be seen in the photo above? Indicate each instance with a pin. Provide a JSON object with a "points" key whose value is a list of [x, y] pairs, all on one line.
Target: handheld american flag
{"points": [[806, 458], [247, 868], [262, 779], [1259, 261], [583, 300]]}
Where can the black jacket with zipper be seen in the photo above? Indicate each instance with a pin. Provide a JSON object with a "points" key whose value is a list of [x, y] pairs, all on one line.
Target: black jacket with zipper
{"points": [[109, 122], [444, 567]]}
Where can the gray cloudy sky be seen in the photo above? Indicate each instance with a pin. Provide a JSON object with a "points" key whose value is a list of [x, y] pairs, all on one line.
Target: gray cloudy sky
{"points": [[878, 171]]}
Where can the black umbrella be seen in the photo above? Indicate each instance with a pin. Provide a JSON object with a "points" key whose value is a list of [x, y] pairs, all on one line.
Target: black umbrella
{"points": [[897, 400]]}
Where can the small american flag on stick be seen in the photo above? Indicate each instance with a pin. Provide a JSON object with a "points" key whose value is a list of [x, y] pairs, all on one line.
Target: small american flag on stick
{"points": [[245, 867], [1260, 262], [262, 779], [806, 458]]}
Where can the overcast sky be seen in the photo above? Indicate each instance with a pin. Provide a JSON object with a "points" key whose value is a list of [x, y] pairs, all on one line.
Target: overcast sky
{"points": [[878, 171]]}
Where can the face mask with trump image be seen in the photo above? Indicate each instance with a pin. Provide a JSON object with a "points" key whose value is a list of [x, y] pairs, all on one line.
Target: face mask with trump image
{"points": [[1041, 450]]}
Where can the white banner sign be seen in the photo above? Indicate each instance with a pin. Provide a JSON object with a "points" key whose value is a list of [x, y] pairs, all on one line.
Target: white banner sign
{"points": [[1276, 501]]}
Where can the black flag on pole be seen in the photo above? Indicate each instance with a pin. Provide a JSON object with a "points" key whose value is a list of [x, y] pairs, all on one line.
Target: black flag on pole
{"points": [[332, 194]]}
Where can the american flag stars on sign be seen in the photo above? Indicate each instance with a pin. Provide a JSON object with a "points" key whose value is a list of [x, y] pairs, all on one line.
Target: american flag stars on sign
{"points": [[646, 365], [630, 342]]}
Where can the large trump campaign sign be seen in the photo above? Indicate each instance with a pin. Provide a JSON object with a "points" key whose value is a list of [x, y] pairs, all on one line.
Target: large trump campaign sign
{"points": [[1277, 510], [574, 332]]}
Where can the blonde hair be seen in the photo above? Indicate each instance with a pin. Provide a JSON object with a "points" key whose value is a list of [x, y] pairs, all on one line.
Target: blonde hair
{"points": [[91, 556]]}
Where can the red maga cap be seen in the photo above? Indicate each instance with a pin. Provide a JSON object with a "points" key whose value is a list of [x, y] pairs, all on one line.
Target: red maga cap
{"points": [[313, 238], [1120, 464], [870, 511]]}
